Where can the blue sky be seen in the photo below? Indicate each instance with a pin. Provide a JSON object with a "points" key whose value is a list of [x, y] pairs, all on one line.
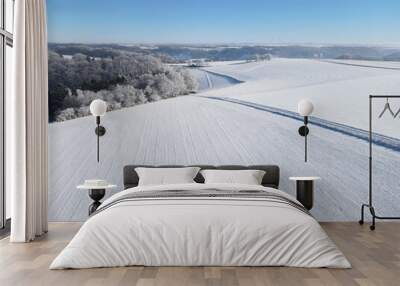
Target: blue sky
{"points": [[369, 22]]}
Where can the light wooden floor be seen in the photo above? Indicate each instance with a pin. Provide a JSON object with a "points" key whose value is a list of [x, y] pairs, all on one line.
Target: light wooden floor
{"points": [[375, 257]]}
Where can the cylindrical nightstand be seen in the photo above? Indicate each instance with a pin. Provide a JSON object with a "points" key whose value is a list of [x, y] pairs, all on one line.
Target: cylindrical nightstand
{"points": [[96, 193], [305, 190]]}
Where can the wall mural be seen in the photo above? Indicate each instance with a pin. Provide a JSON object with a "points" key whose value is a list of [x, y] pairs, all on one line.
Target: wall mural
{"points": [[227, 99]]}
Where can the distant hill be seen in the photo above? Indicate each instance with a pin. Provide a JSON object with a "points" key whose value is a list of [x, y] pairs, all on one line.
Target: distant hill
{"points": [[181, 53], [393, 57]]}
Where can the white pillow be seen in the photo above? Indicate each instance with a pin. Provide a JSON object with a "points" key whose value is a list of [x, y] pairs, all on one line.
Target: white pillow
{"points": [[165, 176], [248, 177]]}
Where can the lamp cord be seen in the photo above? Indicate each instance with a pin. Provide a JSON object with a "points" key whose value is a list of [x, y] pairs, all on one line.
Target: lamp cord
{"points": [[98, 143], [305, 137]]}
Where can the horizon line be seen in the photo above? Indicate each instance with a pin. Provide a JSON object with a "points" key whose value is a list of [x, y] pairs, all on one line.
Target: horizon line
{"points": [[240, 44]]}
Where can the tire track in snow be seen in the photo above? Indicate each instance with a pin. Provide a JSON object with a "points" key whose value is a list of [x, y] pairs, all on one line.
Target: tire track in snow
{"points": [[360, 65], [231, 79], [377, 139], [209, 81]]}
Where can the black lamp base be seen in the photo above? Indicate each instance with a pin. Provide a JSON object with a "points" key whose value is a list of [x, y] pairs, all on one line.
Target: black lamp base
{"points": [[303, 130], [100, 130]]}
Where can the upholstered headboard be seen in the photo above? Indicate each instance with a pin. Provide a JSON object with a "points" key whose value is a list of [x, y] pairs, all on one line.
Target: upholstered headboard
{"points": [[271, 177]]}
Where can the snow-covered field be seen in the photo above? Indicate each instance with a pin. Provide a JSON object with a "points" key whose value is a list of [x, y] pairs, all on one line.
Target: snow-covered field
{"points": [[338, 90], [199, 130]]}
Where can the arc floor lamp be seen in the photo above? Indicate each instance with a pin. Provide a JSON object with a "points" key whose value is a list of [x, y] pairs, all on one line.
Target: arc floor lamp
{"points": [[98, 108]]}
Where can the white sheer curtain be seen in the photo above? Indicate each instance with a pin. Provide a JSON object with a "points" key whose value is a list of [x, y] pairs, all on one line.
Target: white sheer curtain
{"points": [[28, 122]]}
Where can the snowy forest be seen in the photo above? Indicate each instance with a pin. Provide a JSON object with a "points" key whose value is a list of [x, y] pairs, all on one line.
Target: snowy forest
{"points": [[122, 79]]}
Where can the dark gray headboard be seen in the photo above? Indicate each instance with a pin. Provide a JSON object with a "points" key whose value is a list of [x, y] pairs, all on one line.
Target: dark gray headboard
{"points": [[271, 177]]}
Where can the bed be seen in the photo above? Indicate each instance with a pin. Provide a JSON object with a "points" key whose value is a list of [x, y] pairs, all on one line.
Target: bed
{"points": [[198, 224]]}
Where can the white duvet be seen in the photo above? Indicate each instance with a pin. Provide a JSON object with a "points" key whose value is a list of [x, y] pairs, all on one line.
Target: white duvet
{"points": [[193, 231]]}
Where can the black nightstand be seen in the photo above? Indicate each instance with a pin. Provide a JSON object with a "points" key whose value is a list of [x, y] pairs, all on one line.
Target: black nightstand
{"points": [[305, 190], [96, 193]]}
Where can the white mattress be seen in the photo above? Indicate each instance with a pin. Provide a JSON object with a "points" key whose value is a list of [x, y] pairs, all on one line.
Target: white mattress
{"points": [[200, 231]]}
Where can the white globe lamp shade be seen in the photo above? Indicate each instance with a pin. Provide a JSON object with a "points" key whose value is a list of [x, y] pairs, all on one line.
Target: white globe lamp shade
{"points": [[305, 107], [98, 107]]}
